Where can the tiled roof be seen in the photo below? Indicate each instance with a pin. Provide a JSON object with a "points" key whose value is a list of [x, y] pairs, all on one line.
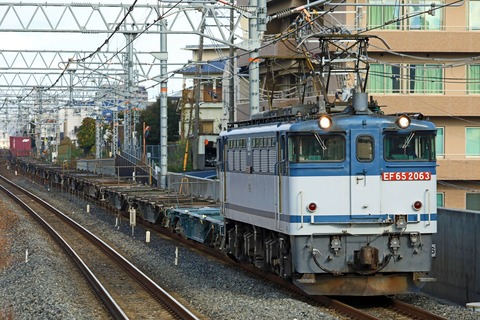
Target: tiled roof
{"points": [[208, 67]]}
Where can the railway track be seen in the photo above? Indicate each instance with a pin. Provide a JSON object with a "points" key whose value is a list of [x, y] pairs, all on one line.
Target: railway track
{"points": [[123, 289], [383, 307], [387, 309]]}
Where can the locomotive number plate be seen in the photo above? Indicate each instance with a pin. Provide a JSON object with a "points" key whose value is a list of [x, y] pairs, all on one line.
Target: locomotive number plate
{"points": [[406, 176]]}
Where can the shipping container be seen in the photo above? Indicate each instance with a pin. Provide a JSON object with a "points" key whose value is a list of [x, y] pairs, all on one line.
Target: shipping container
{"points": [[20, 146]]}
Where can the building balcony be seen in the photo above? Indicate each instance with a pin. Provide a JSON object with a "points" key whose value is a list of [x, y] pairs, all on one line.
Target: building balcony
{"points": [[432, 105], [465, 169], [426, 41]]}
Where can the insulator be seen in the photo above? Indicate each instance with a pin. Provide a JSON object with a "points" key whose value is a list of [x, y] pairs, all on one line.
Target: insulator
{"points": [[283, 13]]}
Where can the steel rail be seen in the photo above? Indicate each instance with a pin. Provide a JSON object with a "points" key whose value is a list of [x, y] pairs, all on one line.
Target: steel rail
{"points": [[414, 311], [107, 300], [160, 294]]}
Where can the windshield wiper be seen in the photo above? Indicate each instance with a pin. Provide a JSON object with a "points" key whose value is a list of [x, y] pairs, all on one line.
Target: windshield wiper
{"points": [[320, 141], [407, 141]]}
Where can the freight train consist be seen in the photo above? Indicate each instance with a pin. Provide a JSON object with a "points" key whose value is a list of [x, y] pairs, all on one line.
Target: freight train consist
{"points": [[341, 203]]}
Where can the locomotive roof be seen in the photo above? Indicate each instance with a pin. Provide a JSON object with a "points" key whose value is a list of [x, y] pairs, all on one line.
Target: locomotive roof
{"points": [[341, 122]]}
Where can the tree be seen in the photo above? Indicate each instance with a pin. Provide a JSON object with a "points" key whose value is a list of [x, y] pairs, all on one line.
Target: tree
{"points": [[86, 135], [151, 117]]}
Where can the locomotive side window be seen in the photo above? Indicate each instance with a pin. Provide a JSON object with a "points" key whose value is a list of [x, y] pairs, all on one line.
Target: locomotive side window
{"points": [[413, 146], [365, 148], [313, 147]]}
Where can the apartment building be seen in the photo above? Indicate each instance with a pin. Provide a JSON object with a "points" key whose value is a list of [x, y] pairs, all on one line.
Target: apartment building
{"points": [[429, 62], [424, 57]]}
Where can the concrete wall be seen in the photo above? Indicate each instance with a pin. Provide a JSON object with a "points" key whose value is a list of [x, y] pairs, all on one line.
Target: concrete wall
{"points": [[457, 262]]}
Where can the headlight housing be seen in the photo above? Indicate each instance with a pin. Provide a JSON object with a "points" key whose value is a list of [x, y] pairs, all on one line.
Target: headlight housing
{"points": [[324, 122], [403, 121]]}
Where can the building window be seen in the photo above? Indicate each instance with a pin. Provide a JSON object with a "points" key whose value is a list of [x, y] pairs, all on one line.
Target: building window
{"points": [[426, 78], [424, 21], [383, 78], [386, 10], [473, 201], [422, 78], [473, 14], [420, 12], [440, 199], [212, 92], [473, 77], [206, 127], [440, 142], [472, 142]]}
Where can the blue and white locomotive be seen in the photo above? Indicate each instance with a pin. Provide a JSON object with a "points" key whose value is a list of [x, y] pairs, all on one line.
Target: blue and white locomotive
{"points": [[340, 203]]}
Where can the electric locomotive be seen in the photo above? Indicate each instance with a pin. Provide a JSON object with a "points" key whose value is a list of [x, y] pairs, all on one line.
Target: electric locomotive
{"points": [[340, 203]]}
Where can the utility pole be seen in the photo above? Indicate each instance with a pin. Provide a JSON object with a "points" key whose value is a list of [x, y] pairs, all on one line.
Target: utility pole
{"points": [[231, 81], [128, 113], [98, 130], [115, 123], [253, 71], [38, 125], [198, 92], [257, 24], [163, 103]]}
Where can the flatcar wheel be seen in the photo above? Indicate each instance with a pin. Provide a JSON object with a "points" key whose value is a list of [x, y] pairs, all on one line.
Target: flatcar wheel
{"points": [[179, 229]]}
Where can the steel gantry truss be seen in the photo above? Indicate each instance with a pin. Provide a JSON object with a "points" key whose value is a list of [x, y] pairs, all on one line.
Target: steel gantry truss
{"points": [[41, 80]]}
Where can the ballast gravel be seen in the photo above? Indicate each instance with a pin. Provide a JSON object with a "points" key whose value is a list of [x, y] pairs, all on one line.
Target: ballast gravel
{"points": [[47, 285]]}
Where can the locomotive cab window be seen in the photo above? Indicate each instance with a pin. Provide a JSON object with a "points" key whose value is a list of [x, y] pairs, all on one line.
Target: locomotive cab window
{"points": [[312, 147], [413, 146], [365, 148]]}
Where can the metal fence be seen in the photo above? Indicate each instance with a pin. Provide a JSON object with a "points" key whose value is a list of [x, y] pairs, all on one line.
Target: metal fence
{"points": [[200, 187], [457, 260]]}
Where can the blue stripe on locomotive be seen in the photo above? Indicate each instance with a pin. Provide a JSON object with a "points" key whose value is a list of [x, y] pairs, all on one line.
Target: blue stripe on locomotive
{"points": [[357, 219], [295, 218]]}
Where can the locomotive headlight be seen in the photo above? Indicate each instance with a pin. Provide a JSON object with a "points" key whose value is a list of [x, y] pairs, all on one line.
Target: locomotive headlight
{"points": [[403, 121], [325, 122], [312, 206], [417, 205]]}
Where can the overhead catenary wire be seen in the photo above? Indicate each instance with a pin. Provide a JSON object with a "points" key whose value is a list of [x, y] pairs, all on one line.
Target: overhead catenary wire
{"points": [[117, 28], [278, 37]]}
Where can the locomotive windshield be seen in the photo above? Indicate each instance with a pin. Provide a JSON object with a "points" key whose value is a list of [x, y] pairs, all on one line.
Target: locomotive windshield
{"points": [[310, 147], [413, 146]]}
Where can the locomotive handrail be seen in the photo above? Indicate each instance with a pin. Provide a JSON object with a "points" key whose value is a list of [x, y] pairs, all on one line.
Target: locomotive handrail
{"points": [[279, 173], [300, 194], [428, 207]]}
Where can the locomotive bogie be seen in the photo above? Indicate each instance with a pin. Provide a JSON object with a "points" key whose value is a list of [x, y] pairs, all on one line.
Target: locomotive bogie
{"points": [[266, 249], [336, 265]]}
